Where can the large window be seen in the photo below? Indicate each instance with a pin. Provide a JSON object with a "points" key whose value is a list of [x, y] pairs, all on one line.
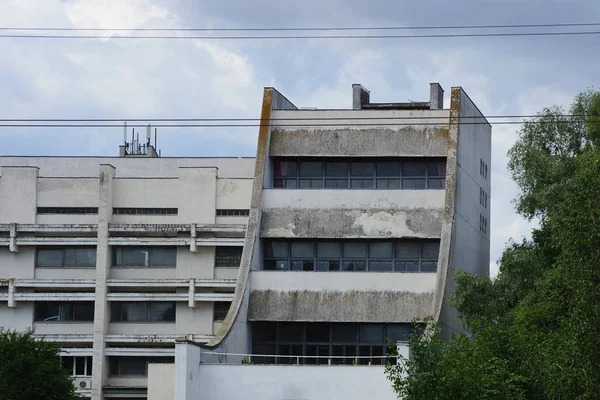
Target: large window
{"points": [[67, 210], [64, 312], [130, 256], [228, 256], [135, 366], [66, 257], [139, 311], [357, 173], [322, 343], [352, 255]]}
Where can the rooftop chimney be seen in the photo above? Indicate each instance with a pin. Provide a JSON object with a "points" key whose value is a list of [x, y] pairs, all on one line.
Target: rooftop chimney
{"points": [[360, 96], [436, 96]]}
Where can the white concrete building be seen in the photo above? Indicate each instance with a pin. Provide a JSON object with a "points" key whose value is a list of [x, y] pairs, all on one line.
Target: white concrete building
{"points": [[116, 257], [353, 224]]}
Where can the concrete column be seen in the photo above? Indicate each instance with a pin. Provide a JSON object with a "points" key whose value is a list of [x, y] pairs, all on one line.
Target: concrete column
{"points": [[18, 190], [360, 96], [103, 263], [12, 244], [436, 96]]}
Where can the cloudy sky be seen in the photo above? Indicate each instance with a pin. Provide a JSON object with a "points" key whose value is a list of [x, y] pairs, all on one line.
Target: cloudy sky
{"points": [[203, 78]]}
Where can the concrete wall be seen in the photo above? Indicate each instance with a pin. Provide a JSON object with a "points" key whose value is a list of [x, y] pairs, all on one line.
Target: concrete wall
{"points": [[161, 381], [67, 192], [379, 138], [352, 213], [196, 381], [340, 296], [18, 193]]}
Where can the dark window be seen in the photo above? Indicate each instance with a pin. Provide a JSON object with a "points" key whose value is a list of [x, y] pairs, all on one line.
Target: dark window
{"points": [[323, 342], [134, 366], [351, 255], [68, 257], [157, 311], [232, 213], [133, 256], [228, 256], [64, 312], [220, 310], [144, 211], [359, 173], [67, 210], [77, 366]]}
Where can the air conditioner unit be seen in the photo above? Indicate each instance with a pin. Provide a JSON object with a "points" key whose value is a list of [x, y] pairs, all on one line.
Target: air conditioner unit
{"points": [[83, 383]]}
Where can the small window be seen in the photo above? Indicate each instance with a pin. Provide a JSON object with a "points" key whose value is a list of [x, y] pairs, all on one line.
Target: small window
{"points": [[131, 256], [233, 212], [66, 257], [228, 256], [221, 308], [64, 312]]}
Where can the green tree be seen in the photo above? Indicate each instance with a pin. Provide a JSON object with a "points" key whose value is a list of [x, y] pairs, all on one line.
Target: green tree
{"points": [[30, 369], [535, 328]]}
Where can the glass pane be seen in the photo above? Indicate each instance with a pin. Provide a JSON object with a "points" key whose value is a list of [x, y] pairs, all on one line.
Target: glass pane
{"points": [[436, 168], [66, 312], [303, 249], [133, 366], [380, 250], [67, 364], [132, 257], [388, 183], [430, 250], [80, 366], [364, 352], [407, 250], [328, 250], [83, 311], [49, 258], [316, 183], [362, 169], [131, 312], [412, 266], [311, 168], [356, 265], [380, 266], [400, 266], [277, 265], [343, 333], [336, 183], [322, 266], [413, 183], [85, 257], [278, 183], [397, 332], [89, 362], [291, 184], [388, 168], [428, 266], [377, 354], [285, 168], [163, 311], [308, 265], [291, 332], [46, 311], [334, 265], [337, 352], [163, 256], [356, 184], [371, 333], [296, 265], [336, 168], [305, 183], [355, 250], [436, 183], [264, 332], [276, 249], [413, 168], [70, 257], [317, 332]]}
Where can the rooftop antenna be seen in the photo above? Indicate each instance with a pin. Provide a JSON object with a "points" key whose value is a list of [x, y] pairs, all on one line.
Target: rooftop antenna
{"points": [[148, 134], [155, 138], [125, 133]]}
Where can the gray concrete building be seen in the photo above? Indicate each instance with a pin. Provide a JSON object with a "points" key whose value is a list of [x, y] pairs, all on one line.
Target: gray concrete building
{"points": [[352, 222], [358, 220], [116, 257]]}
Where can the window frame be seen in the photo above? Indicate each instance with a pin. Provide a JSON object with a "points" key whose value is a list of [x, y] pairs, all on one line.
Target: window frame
{"points": [[350, 179], [117, 361], [62, 312], [116, 307], [150, 249], [64, 250], [235, 259], [222, 312], [396, 262]]}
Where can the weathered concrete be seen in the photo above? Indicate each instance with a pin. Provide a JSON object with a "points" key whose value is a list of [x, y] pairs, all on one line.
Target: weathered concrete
{"points": [[383, 141], [360, 96], [351, 223], [339, 306]]}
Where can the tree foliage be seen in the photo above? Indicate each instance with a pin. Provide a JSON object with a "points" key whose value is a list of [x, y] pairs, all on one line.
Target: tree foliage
{"points": [[535, 328], [30, 369]]}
